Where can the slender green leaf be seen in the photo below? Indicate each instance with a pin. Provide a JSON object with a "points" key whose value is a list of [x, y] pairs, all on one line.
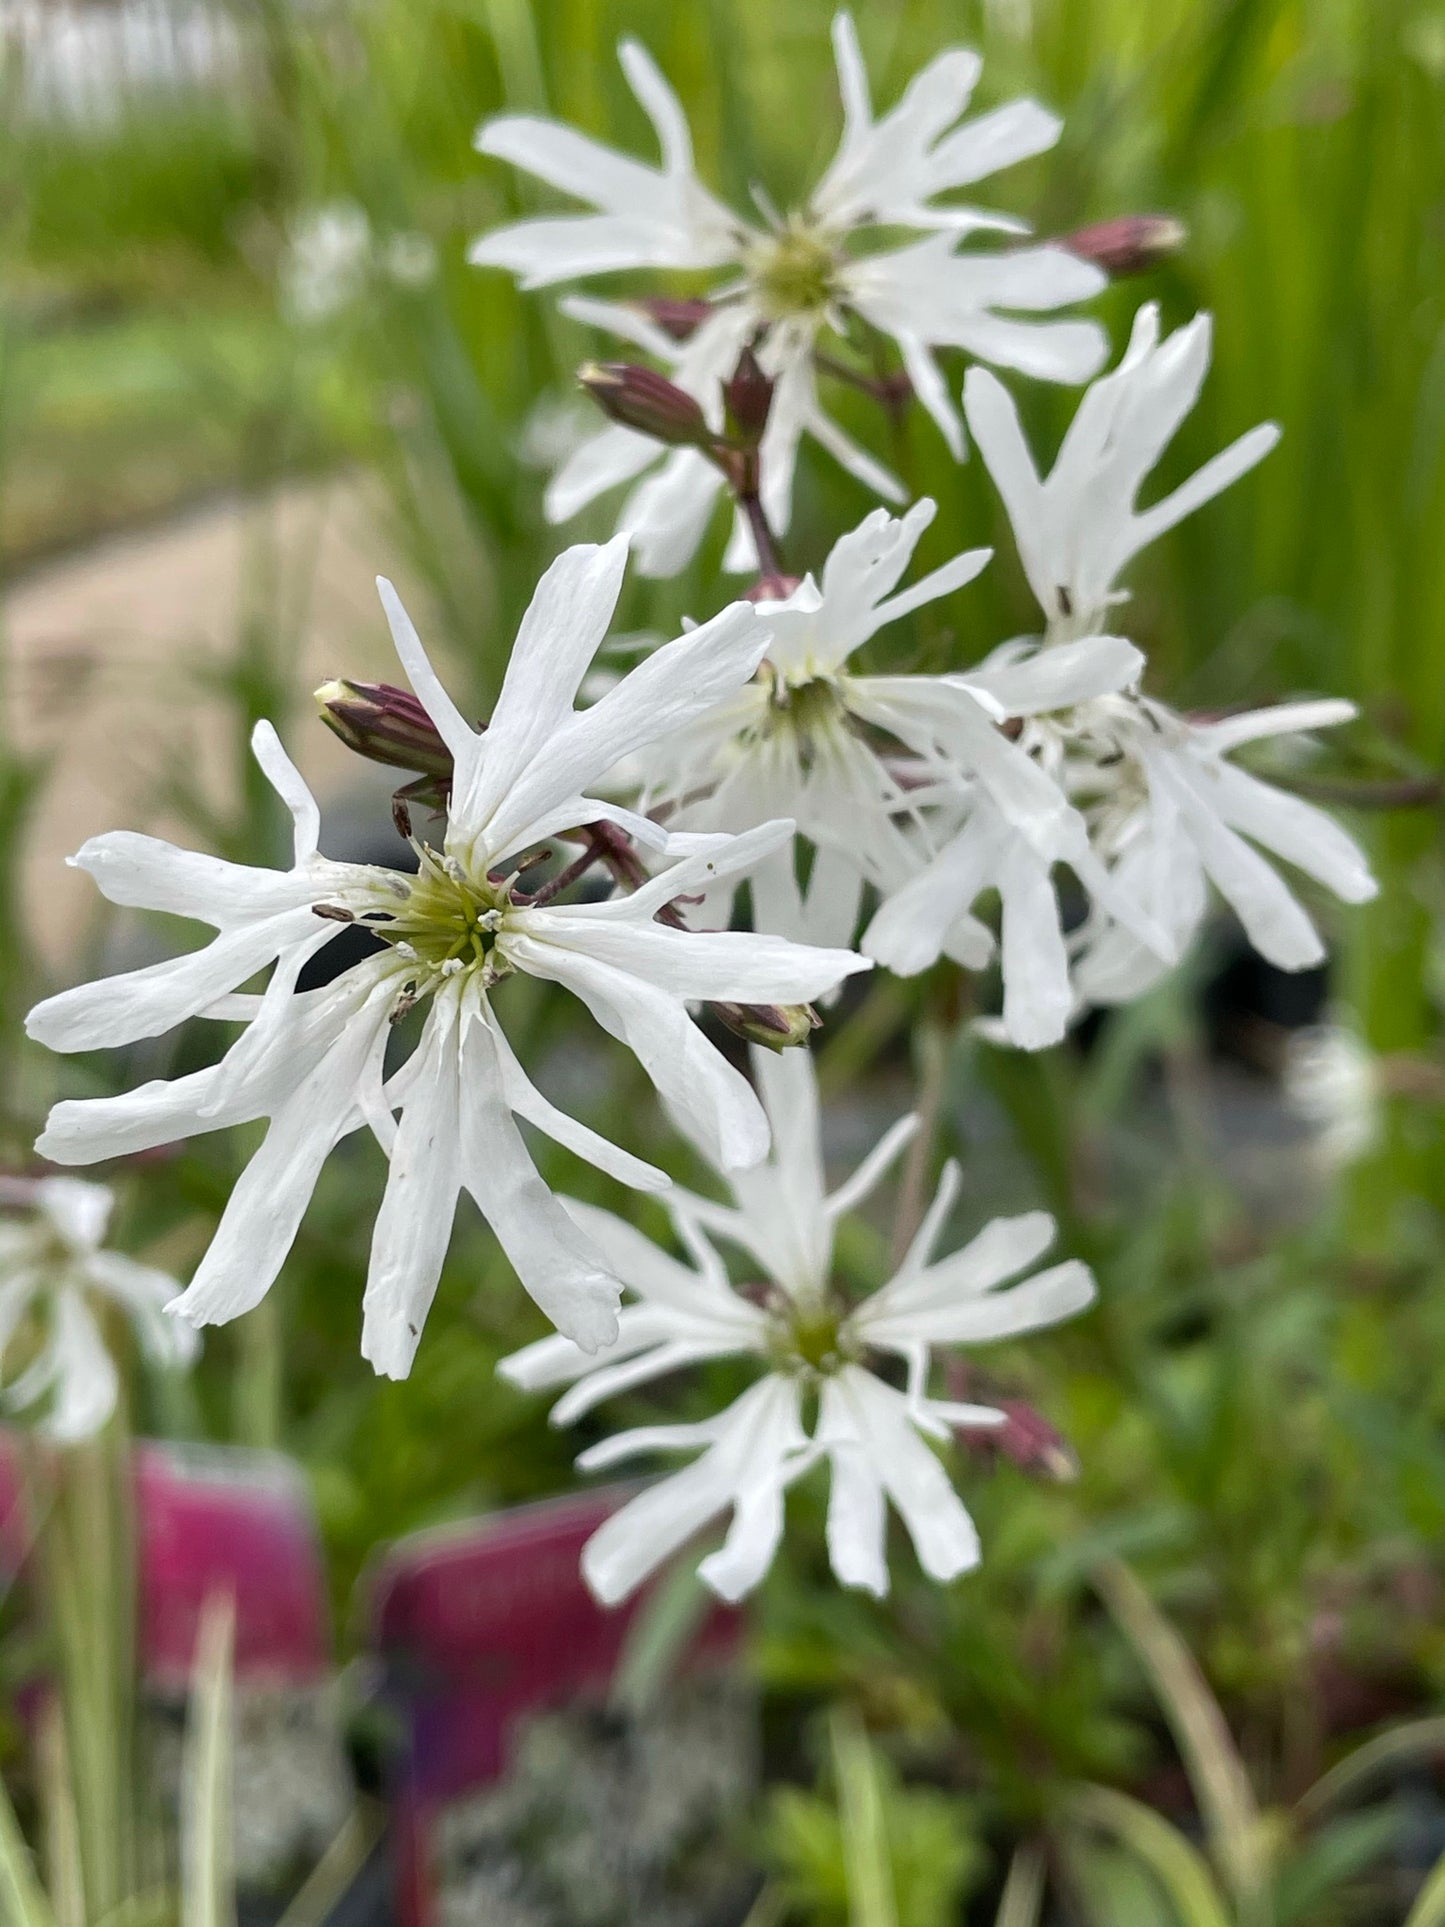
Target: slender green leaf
{"points": [[1429, 1907], [207, 1877], [1176, 1864], [1022, 1902], [1216, 1772], [1414, 1740], [871, 1899], [22, 1902]]}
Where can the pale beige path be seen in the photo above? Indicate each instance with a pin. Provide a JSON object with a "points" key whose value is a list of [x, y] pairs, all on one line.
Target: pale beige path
{"points": [[108, 654]]}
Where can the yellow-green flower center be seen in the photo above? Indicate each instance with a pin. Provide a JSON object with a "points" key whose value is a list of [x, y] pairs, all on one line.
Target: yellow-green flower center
{"points": [[794, 271], [809, 711], [449, 921], [811, 1336]]}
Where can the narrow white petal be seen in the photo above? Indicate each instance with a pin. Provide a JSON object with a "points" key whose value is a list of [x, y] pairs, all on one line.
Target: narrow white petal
{"points": [[558, 1266], [603, 461], [144, 1003], [291, 786], [414, 1224], [455, 731], [709, 1098], [528, 1102], [874, 1168], [985, 1318], [144, 873], [264, 1211]]}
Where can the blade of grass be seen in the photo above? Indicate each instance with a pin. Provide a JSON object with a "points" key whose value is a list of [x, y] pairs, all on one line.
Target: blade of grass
{"points": [[1429, 1907], [1178, 1866], [1417, 1739], [1216, 1772], [866, 1866], [64, 1863], [333, 1872], [207, 1876], [1022, 1901], [22, 1900]]}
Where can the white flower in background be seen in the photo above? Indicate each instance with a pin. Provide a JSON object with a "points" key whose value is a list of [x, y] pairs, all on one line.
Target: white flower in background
{"points": [[55, 1278], [818, 271], [1014, 825], [1079, 527], [798, 741], [326, 262], [331, 255], [312, 1061], [1166, 812], [1333, 1083], [817, 1348]]}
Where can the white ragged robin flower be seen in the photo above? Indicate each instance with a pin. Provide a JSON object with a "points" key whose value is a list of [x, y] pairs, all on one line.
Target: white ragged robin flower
{"points": [[802, 741], [831, 270], [57, 1285], [1077, 528], [844, 1379], [1167, 813], [312, 1061], [1336, 1085]]}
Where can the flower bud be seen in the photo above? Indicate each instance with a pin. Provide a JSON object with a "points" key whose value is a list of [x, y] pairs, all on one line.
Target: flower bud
{"points": [[676, 315], [1131, 245], [747, 398], [641, 399], [385, 724], [1030, 1442], [777, 1026]]}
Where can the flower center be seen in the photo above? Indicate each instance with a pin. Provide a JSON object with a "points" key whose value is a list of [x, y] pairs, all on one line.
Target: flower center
{"points": [[810, 1336], [794, 271], [809, 711], [449, 921]]}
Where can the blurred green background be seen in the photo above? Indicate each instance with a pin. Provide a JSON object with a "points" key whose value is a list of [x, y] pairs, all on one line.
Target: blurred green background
{"points": [[1257, 1405]]}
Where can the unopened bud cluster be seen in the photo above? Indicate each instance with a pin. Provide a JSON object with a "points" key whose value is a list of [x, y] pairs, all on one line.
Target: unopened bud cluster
{"points": [[641, 399]]}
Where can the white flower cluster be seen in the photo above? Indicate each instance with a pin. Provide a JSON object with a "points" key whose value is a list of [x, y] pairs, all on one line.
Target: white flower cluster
{"points": [[798, 280], [871, 818]]}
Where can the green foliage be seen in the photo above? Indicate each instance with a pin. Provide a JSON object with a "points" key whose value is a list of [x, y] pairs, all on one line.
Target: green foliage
{"points": [[879, 1854]]}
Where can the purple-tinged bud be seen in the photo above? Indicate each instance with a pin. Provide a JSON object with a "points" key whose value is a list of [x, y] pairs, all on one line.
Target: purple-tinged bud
{"points": [[1133, 244], [641, 399], [776, 1026], [1028, 1440], [747, 398], [386, 725], [677, 316]]}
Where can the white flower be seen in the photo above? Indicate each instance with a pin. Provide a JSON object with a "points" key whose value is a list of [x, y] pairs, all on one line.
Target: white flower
{"points": [[1078, 528], [331, 255], [814, 1343], [1172, 815], [818, 270], [1017, 826], [1333, 1083], [797, 741], [312, 1062], [327, 261], [1165, 812], [52, 1270]]}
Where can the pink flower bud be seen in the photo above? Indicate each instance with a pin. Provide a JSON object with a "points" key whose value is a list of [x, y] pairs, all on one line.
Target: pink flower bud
{"points": [[641, 399], [1131, 245], [747, 397], [384, 724]]}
